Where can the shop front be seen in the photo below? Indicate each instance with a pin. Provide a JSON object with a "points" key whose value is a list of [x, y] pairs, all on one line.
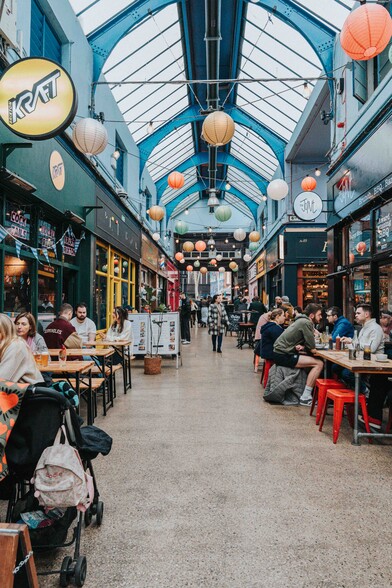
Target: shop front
{"points": [[151, 273], [252, 281], [261, 270], [274, 273], [173, 286], [117, 255], [360, 229]]}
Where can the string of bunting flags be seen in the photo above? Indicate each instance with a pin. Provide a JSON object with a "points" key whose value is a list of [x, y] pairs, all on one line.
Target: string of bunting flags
{"points": [[44, 250]]}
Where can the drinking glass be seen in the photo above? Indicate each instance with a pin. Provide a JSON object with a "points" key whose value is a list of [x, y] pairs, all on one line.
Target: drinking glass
{"points": [[62, 356], [44, 359], [38, 358], [367, 352]]}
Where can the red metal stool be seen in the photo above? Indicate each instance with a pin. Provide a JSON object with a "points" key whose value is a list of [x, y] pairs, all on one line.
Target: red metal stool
{"points": [[319, 392], [264, 374], [339, 399]]}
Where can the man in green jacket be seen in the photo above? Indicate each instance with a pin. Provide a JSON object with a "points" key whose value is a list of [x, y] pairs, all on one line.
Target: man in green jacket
{"points": [[299, 338]]}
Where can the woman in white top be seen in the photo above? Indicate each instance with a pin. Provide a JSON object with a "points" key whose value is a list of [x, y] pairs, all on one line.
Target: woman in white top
{"points": [[121, 330], [26, 328], [16, 360]]}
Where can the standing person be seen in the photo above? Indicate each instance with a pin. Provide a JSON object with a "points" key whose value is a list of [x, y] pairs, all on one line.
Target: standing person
{"points": [[256, 308], [61, 333], [16, 360], [84, 326], [185, 317], [26, 328], [217, 321], [278, 302], [204, 312], [194, 308]]}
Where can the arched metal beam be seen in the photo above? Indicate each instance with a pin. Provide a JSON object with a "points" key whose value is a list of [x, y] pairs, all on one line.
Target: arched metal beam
{"points": [[224, 159], [192, 114], [199, 187], [105, 38]]}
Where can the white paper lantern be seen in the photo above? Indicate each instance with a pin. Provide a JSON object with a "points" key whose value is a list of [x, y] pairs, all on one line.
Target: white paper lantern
{"points": [[239, 234], [219, 257], [247, 257], [222, 270], [182, 260], [277, 189], [156, 236], [90, 136]]}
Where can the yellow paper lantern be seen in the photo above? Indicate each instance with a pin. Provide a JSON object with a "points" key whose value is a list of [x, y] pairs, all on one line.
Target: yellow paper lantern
{"points": [[254, 236], [233, 265], [188, 246], [156, 213], [218, 128], [203, 270]]}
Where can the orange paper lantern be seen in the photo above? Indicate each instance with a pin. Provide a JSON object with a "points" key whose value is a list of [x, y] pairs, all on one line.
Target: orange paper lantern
{"points": [[308, 184], [156, 213], [203, 270], [213, 262], [189, 268], [176, 180], [179, 256], [361, 247], [188, 246], [366, 32], [200, 246]]}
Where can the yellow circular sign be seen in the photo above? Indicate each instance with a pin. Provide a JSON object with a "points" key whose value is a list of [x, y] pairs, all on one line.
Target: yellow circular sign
{"points": [[37, 98], [57, 170]]}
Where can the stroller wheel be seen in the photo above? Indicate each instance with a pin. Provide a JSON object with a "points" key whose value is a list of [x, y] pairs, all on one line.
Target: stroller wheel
{"points": [[88, 517], [80, 570], [66, 571], [99, 513]]}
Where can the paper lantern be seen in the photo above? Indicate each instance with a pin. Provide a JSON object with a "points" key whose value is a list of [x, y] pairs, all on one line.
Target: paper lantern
{"points": [[213, 262], [181, 227], [116, 270], [366, 32], [277, 189], [218, 128], [308, 184], [222, 270], [232, 265], [203, 270], [197, 263], [223, 213], [105, 268], [176, 180], [189, 268], [188, 246], [156, 236], [90, 136], [182, 260], [156, 213], [235, 269], [247, 257], [254, 236], [125, 264], [200, 246], [115, 261], [219, 257], [253, 246], [179, 256], [239, 234], [361, 247], [351, 258]]}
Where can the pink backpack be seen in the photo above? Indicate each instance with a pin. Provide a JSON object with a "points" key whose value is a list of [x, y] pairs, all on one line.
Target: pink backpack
{"points": [[59, 478]]}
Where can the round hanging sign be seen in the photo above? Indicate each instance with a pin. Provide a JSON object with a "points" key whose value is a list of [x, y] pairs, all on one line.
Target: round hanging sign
{"points": [[308, 206], [57, 170], [37, 98]]}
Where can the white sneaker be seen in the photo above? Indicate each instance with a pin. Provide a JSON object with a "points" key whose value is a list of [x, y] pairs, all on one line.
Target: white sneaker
{"points": [[305, 401], [186, 342]]}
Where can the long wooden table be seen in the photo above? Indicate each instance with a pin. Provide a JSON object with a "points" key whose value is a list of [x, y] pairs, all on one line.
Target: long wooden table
{"points": [[74, 368], [123, 348], [358, 367]]}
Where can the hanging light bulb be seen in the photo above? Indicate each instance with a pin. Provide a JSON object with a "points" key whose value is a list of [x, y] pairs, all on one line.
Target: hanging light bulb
{"points": [[211, 241], [306, 91], [227, 186], [150, 128], [264, 227], [186, 211], [264, 198], [226, 240], [177, 240], [317, 172], [210, 229]]}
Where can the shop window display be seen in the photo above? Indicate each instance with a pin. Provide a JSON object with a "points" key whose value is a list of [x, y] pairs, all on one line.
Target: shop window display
{"points": [[385, 288], [17, 223], [359, 239], [312, 284], [46, 289], [17, 285]]}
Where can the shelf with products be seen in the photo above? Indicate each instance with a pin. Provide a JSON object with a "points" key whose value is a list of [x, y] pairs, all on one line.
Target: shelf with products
{"points": [[312, 283]]}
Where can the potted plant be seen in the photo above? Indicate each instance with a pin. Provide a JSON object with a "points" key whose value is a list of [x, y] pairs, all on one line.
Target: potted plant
{"points": [[152, 360]]}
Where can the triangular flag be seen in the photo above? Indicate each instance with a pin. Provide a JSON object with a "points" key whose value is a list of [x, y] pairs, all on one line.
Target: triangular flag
{"points": [[34, 252], [18, 246], [77, 243], [45, 254], [3, 233]]}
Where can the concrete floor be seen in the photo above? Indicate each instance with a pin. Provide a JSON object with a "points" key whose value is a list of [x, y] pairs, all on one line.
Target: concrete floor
{"points": [[209, 486]]}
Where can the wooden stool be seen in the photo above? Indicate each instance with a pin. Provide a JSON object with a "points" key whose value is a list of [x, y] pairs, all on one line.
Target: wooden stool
{"points": [[339, 399], [268, 363], [319, 392]]}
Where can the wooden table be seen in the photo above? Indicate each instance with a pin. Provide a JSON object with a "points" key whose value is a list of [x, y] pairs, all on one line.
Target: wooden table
{"points": [[101, 355], [74, 368], [358, 367], [123, 348]]}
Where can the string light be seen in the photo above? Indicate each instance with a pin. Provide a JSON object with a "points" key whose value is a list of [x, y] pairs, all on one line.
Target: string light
{"points": [[227, 186], [186, 211], [150, 128], [317, 172], [306, 92]]}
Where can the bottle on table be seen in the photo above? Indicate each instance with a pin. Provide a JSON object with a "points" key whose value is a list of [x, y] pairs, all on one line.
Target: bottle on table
{"points": [[63, 354], [338, 343]]}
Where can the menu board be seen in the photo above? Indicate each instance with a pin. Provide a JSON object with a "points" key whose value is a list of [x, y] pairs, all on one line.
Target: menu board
{"points": [[165, 331]]}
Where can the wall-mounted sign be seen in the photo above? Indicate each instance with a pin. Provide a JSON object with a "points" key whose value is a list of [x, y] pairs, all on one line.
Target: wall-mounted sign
{"points": [[308, 206], [57, 170], [37, 98], [46, 234], [17, 222]]}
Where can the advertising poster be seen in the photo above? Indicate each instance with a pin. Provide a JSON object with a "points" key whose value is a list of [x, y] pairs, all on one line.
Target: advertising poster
{"points": [[164, 336]]}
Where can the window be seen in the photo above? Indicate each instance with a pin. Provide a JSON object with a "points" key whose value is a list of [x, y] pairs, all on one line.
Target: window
{"points": [[121, 161], [44, 41], [17, 285], [359, 240]]}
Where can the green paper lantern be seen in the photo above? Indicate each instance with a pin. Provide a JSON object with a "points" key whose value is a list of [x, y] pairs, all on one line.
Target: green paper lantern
{"points": [[181, 228], [253, 246], [223, 213]]}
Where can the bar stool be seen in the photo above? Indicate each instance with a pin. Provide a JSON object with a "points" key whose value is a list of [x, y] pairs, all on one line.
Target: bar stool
{"points": [[339, 399], [319, 392], [268, 363]]}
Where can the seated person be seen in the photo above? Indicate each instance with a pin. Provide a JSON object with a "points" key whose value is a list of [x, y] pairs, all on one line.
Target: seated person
{"points": [[340, 325], [16, 360], [386, 324], [84, 326], [26, 328], [120, 330], [299, 337], [61, 333], [270, 332], [263, 320]]}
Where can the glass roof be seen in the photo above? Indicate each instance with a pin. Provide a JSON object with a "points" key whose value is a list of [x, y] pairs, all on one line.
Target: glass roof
{"points": [[153, 50]]}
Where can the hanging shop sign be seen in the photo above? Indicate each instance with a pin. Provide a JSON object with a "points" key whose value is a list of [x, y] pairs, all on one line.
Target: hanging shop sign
{"points": [[308, 206], [305, 246], [37, 98], [17, 222], [384, 228], [46, 235], [150, 254], [367, 174], [261, 266], [57, 170]]}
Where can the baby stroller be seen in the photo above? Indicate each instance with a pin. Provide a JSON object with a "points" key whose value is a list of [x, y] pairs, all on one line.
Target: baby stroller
{"points": [[42, 412]]}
